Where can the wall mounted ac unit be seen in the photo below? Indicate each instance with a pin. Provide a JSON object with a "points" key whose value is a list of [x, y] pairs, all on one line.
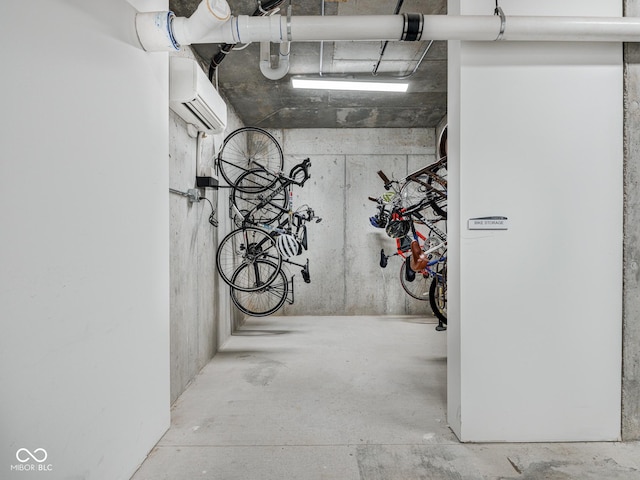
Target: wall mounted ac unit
{"points": [[193, 97]]}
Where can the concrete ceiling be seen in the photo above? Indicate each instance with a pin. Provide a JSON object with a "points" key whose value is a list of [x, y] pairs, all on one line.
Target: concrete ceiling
{"points": [[274, 104]]}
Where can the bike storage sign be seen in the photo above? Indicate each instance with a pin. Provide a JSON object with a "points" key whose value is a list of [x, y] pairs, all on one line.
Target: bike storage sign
{"points": [[489, 223]]}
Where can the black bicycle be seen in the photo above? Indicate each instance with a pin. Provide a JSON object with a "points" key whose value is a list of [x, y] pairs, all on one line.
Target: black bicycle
{"points": [[260, 286], [248, 246]]}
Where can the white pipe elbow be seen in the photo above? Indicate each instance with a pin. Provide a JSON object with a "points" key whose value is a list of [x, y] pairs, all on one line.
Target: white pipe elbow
{"points": [[209, 15], [282, 68]]}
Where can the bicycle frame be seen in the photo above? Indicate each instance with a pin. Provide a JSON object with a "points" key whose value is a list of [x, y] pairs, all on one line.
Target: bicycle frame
{"points": [[298, 230], [430, 170], [285, 183]]}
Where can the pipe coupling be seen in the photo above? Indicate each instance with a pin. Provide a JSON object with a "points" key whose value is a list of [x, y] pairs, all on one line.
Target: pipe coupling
{"points": [[412, 27]]}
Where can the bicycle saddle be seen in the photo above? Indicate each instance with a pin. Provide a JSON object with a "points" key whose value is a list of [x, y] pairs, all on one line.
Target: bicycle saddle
{"points": [[419, 259]]}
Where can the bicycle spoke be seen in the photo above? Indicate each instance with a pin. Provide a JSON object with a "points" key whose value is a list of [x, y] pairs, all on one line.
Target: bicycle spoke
{"points": [[259, 207], [419, 287], [245, 247], [248, 148], [266, 300]]}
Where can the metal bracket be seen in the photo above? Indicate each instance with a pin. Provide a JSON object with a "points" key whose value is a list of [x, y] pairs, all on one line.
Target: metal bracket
{"points": [[289, 22], [193, 194], [503, 21], [263, 11]]}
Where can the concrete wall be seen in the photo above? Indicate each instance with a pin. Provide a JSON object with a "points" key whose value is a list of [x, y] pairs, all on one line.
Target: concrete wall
{"points": [[344, 249], [84, 288], [631, 285], [202, 315], [534, 343]]}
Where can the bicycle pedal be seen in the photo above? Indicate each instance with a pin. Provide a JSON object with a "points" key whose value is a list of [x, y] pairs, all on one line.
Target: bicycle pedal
{"points": [[383, 259], [409, 274]]}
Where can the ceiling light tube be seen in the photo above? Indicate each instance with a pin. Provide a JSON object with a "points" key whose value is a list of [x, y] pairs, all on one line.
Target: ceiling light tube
{"points": [[357, 85]]}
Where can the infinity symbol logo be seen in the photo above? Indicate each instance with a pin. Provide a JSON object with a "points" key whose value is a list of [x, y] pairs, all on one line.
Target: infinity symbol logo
{"points": [[32, 455]]}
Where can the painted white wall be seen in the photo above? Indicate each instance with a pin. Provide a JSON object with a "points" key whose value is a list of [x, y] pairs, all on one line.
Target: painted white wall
{"points": [[535, 134], [84, 363]]}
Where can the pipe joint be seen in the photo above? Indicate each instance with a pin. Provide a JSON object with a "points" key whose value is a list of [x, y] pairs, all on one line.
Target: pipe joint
{"points": [[155, 31], [247, 29], [412, 27], [209, 15]]}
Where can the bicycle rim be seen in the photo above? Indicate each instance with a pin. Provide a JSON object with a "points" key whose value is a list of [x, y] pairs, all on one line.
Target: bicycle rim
{"points": [[247, 246], [438, 298], [265, 301], [248, 148], [419, 287]]}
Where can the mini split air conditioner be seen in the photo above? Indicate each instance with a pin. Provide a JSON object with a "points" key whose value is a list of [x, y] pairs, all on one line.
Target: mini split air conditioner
{"points": [[193, 97]]}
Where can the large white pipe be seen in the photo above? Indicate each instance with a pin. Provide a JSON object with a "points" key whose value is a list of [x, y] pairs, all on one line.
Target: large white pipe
{"points": [[575, 29], [245, 29], [405, 27]]}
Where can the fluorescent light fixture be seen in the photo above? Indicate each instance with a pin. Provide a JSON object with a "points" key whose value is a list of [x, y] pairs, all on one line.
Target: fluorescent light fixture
{"points": [[358, 85]]}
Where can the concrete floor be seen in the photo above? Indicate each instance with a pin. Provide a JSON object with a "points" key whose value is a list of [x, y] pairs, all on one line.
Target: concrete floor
{"points": [[346, 398]]}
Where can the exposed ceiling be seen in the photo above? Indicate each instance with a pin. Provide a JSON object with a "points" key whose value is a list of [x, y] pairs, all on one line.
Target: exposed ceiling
{"points": [[274, 104]]}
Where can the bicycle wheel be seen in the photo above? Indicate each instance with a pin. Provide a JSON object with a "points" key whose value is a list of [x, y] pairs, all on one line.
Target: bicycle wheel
{"points": [[430, 188], [245, 246], [248, 148], [419, 287], [439, 194], [438, 296], [264, 206], [266, 300]]}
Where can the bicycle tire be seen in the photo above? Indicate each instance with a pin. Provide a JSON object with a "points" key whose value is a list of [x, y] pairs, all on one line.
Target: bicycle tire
{"points": [[248, 148], [419, 287], [442, 143], [438, 297], [246, 246], [246, 200], [265, 301]]}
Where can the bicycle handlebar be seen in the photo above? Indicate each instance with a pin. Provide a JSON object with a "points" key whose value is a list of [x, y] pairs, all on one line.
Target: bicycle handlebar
{"points": [[303, 166], [307, 216], [385, 179]]}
